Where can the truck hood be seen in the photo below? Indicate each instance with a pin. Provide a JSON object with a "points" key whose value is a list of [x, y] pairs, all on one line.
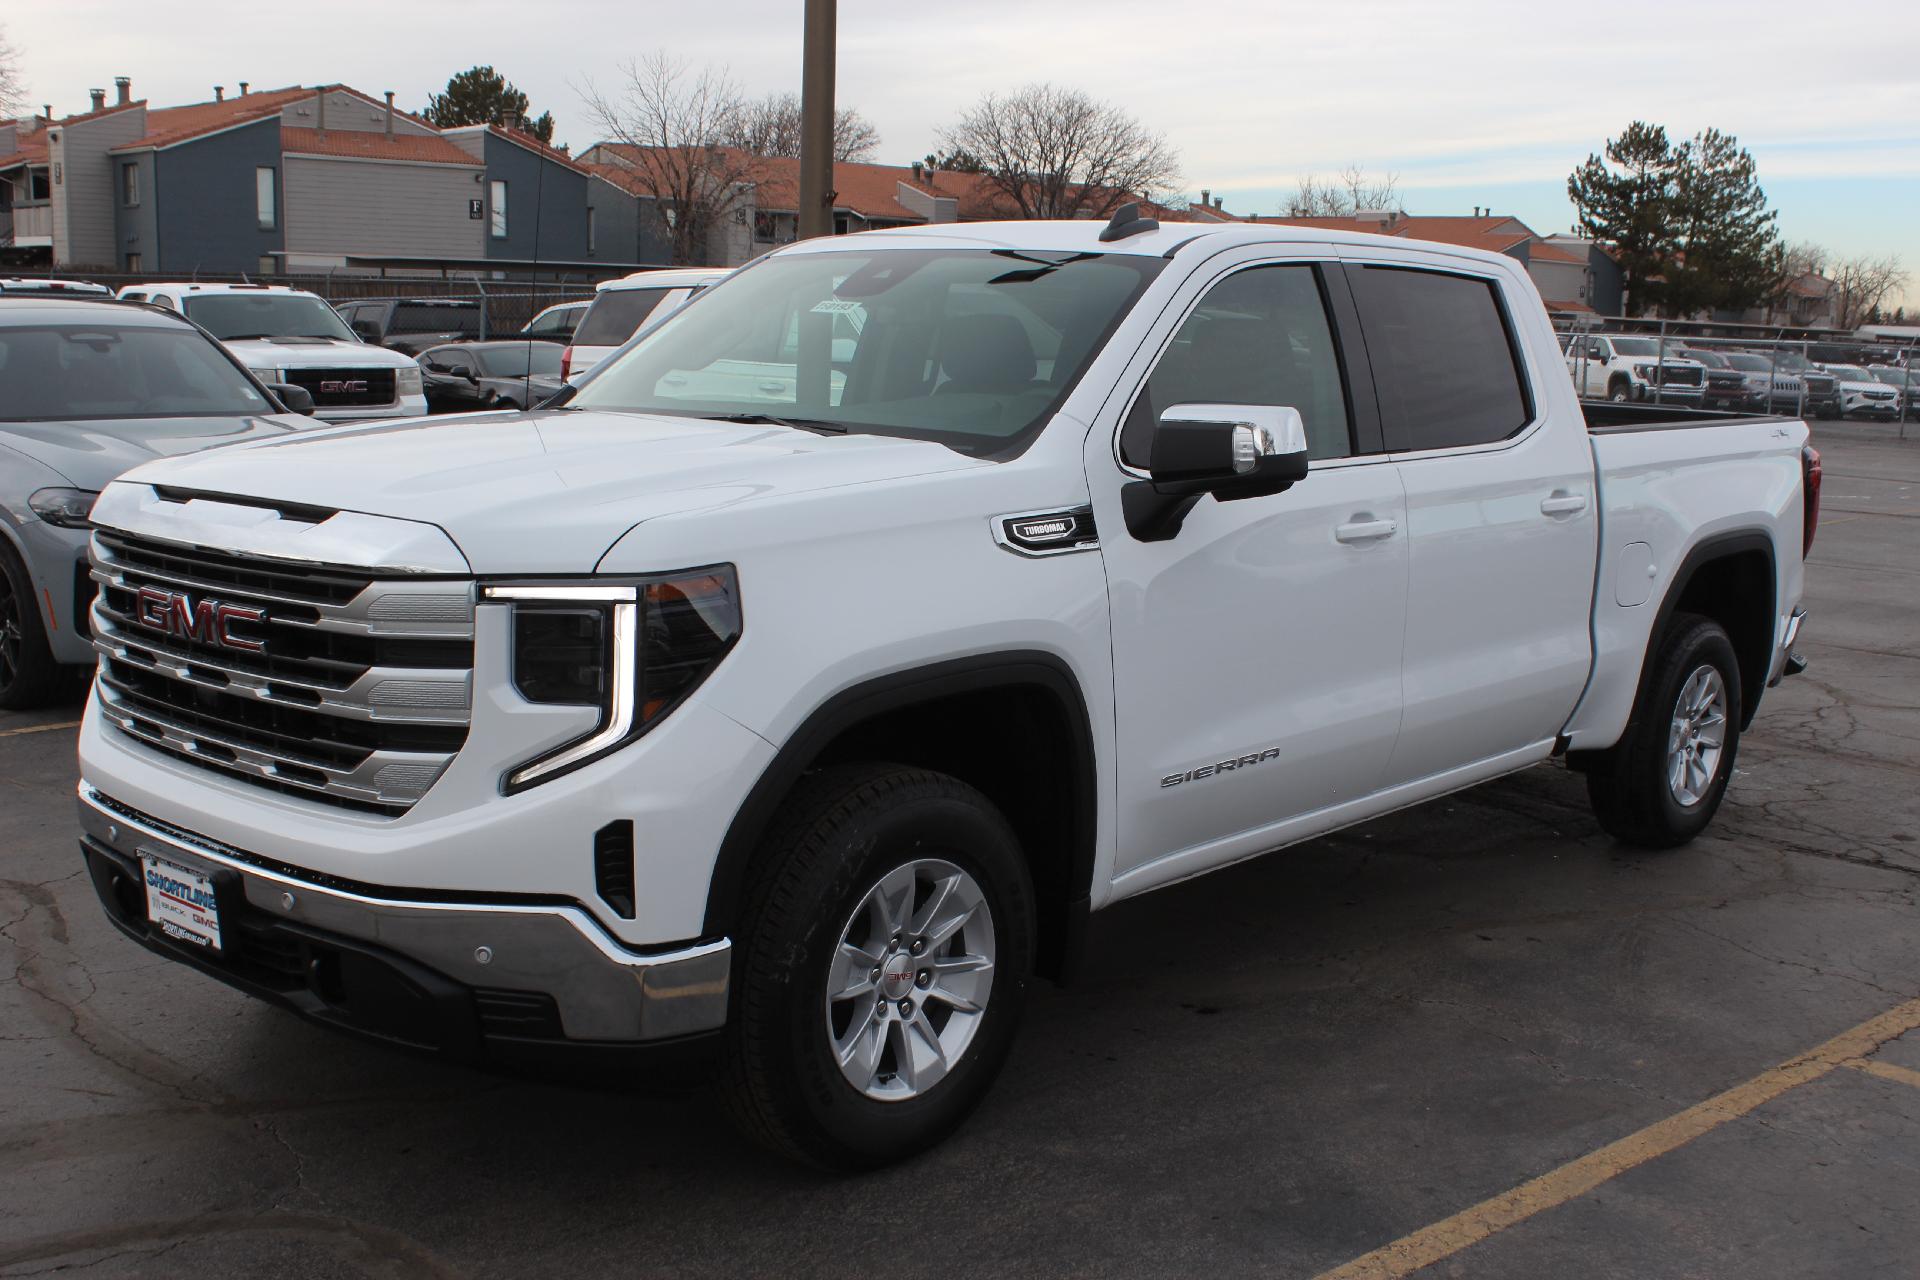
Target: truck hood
{"points": [[314, 353], [549, 491], [89, 454]]}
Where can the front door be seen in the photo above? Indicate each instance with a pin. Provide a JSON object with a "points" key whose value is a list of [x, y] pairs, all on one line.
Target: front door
{"points": [[1256, 652]]}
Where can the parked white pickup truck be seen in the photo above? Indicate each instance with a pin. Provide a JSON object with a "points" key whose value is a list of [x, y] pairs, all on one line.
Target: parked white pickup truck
{"points": [[802, 734], [1622, 369]]}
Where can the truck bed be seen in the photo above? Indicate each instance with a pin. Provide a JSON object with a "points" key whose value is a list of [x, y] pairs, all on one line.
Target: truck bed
{"points": [[1607, 417]]}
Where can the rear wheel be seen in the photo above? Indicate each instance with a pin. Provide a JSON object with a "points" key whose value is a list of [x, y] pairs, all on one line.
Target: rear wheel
{"points": [[1620, 391], [29, 677], [1662, 784], [881, 967]]}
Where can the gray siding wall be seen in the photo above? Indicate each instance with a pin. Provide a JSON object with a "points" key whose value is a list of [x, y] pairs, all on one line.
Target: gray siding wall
{"points": [[136, 229], [375, 207], [542, 197], [348, 112], [616, 223], [84, 198], [204, 193]]}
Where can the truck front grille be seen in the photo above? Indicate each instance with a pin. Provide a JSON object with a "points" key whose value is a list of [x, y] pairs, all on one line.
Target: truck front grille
{"points": [[343, 686], [345, 388]]}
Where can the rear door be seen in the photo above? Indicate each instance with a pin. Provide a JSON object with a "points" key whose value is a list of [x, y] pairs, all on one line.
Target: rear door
{"points": [[1256, 652], [1500, 511]]}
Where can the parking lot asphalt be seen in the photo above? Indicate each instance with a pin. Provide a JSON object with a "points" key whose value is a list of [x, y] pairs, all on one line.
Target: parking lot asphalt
{"points": [[1473, 1039]]}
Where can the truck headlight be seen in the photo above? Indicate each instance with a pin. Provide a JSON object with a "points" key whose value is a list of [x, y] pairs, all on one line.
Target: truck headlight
{"points": [[268, 376], [631, 648], [406, 381], [66, 508], [1644, 372]]}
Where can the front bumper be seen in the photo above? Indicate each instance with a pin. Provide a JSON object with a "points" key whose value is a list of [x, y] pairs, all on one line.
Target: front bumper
{"points": [[476, 980]]}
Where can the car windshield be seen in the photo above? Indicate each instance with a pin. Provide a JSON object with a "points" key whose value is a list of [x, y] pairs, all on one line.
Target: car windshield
{"points": [[1741, 361], [1638, 347], [972, 348], [541, 359], [77, 372], [616, 315], [1711, 359], [230, 316], [1853, 372], [1892, 377]]}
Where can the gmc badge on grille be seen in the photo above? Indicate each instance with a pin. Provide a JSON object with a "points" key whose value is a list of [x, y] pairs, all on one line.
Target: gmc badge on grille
{"points": [[343, 386], [208, 621]]}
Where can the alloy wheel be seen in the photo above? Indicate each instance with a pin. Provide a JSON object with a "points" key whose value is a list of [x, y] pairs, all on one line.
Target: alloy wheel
{"points": [[1697, 735], [909, 981]]}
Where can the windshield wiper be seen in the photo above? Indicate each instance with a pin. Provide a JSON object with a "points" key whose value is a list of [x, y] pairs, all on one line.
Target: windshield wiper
{"points": [[822, 425]]}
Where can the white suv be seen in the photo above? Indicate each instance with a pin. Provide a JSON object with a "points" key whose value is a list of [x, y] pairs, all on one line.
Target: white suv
{"points": [[621, 308], [291, 336]]}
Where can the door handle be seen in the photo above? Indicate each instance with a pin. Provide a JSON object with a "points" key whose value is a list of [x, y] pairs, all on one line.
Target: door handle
{"points": [[1365, 530], [1562, 503]]}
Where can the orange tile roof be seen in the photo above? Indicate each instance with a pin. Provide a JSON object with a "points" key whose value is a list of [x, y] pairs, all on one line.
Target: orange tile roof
{"points": [[1577, 307], [168, 125], [528, 141], [354, 144], [619, 175], [1547, 251], [28, 149]]}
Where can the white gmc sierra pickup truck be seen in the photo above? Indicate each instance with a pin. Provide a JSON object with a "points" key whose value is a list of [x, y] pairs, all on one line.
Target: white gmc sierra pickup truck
{"points": [[801, 731]]}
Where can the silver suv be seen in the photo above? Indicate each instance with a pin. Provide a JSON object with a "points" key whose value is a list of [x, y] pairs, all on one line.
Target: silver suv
{"points": [[87, 390]]}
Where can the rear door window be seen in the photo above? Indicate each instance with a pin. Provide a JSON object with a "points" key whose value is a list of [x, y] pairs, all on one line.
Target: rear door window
{"points": [[1445, 365], [616, 315]]}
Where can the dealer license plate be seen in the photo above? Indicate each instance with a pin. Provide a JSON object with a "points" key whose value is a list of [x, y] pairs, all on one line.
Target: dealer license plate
{"points": [[180, 901]]}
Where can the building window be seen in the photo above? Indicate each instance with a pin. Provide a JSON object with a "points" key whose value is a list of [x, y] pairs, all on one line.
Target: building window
{"points": [[498, 190], [590, 229], [130, 185], [264, 203], [40, 187], [763, 227], [133, 263]]}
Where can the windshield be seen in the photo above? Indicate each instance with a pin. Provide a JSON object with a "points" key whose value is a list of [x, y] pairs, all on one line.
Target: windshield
{"points": [[542, 359], [230, 316], [1711, 359], [1636, 347], [1852, 372], [108, 371], [972, 348], [615, 315], [1892, 377], [462, 318], [1754, 363]]}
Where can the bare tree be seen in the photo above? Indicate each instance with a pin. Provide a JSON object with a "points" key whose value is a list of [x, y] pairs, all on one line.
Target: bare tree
{"points": [[1861, 284], [676, 121], [12, 91], [770, 126], [1344, 195], [1060, 153]]}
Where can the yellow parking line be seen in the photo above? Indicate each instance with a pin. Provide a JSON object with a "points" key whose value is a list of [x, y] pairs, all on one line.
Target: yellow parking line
{"points": [[1887, 1070], [1470, 1226], [39, 728]]}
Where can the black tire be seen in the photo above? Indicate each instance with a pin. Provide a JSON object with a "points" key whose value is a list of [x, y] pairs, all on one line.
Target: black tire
{"points": [[29, 677], [1629, 789], [837, 835], [1620, 391]]}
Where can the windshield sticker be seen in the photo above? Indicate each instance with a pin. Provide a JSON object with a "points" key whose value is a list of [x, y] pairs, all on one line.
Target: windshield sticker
{"points": [[836, 306]]}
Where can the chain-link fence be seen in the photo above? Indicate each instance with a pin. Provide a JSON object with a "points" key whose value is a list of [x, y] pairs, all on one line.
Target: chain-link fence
{"points": [[1717, 367], [506, 305]]}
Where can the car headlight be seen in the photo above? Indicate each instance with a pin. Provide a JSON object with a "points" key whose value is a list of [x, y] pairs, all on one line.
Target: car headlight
{"points": [[1644, 372], [407, 381], [66, 508], [631, 648], [268, 376]]}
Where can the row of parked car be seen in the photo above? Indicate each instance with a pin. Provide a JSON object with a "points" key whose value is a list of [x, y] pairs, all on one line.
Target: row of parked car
{"points": [[400, 357], [1628, 367], [92, 384]]}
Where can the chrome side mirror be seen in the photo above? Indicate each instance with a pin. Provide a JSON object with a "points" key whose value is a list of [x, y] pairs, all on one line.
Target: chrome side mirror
{"points": [[1232, 451]]}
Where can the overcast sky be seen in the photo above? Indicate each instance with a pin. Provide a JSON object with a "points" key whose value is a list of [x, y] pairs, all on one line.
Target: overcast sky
{"points": [[1470, 102]]}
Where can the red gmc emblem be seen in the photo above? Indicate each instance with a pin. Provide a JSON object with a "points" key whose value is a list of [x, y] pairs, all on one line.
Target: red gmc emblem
{"points": [[342, 386], [208, 621]]}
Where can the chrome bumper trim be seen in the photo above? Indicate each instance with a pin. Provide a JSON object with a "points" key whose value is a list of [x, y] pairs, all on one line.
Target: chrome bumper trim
{"points": [[604, 992]]}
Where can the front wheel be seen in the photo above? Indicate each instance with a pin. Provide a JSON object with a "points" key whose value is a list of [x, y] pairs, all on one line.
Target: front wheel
{"points": [[881, 967], [29, 676], [1662, 784]]}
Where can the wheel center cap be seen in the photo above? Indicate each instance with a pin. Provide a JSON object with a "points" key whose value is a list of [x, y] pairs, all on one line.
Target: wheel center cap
{"points": [[896, 975]]}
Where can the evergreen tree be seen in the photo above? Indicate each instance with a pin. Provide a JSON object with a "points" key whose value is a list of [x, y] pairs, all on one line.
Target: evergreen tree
{"points": [[484, 96], [1625, 198], [1731, 248]]}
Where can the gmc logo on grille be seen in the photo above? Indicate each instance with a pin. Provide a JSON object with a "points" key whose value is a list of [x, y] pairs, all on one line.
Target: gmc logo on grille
{"points": [[208, 621], [342, 386]]}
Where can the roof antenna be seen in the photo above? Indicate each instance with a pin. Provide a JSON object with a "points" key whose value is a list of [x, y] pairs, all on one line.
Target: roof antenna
{"points": [[1127, 222]]}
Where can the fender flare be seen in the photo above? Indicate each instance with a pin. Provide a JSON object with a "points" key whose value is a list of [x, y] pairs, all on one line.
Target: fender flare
{"points": [[893, 692]]}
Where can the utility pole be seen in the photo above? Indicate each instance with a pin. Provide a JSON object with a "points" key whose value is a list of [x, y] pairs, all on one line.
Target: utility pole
{"points": [[816, 121]]}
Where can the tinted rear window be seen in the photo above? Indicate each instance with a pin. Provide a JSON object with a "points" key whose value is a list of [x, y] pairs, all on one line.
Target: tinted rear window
{"points": [[1444, 363], [106, 371], [615, 315], [416, 318]]}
